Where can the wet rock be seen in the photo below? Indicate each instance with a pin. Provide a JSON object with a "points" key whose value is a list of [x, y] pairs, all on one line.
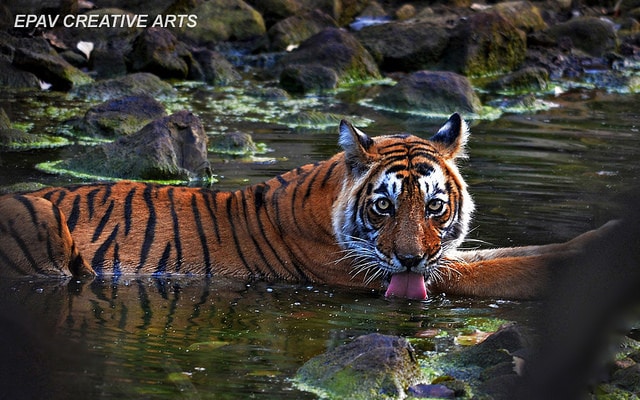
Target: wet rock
{"points": [[120, 117], [296, 29], [405, 46], [430, 92], [169, 148], [494, 350], [431, 391], [308, 78], [484, 44], [141, 83], [233, 143], [373, 366], [15, 78], [12, 139], [332, 51], [592, 35], [158, 51], [531, 79], [224, 20], [214, 68], [50, 67], [276, 10], [522, 14]]}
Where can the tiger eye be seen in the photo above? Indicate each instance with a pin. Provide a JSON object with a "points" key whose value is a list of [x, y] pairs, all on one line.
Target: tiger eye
{"points": [[383, 205], [435, 206]]}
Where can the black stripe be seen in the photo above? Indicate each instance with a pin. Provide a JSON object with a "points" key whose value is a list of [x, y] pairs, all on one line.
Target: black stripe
{"points": [[329, 173], [72, 219], [253, 239], [176, 231], [9, 263], [24, 248], [98, 261], [29, 206], [201, 235], [161, 269], [103, 222], [236, 242], [90, 199], [128, 210], [396, 168], [149, 233], [206, 196], [423, 169], [107, 194]]}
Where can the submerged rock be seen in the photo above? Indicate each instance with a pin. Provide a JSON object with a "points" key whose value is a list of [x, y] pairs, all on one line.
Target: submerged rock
{"points": [[430, 92], [169, 148], [12, 139], [334, 54], [373, 366], [234, 143]]}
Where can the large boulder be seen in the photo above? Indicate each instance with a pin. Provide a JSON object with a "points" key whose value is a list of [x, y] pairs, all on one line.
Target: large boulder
{"points": [[430, 92], [12, 77], [169, 148], [120, 117], [373, 366], [276, 10], [158, 51], [224, 20], [593, 36], [296, 29], [524, 15], [141, 83], [334, 54], [484, 44], [405, 45], [213, 68]]}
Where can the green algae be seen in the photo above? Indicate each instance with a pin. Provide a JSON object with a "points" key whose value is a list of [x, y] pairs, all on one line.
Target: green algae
{"points": [[57, 168]]}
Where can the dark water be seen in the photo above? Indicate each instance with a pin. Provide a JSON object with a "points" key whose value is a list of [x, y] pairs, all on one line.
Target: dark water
{"points": [[536, 178]]}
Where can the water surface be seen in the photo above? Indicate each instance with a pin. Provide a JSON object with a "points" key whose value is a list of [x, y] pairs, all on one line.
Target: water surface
{"points": [[536, 178]]}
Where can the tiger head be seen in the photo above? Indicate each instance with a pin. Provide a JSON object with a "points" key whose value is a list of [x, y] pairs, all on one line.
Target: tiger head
{"points": [[403, 205]]}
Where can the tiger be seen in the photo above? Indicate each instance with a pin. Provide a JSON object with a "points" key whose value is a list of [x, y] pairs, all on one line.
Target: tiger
{"points": [[389, 212]]}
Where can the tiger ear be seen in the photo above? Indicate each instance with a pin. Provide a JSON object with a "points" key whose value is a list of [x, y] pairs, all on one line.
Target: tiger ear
{"points": [[356, 145], [452, 137]]}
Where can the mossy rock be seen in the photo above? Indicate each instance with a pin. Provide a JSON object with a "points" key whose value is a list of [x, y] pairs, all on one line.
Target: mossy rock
{"points": [[224, 20], [373, 366], [167, 149], [332, 50], [430, 93], [485, 44], [141, 83], [120, 117]]}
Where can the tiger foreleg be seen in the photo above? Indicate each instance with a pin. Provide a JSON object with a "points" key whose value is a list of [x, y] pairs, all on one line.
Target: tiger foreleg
{"points": [[35, 240], [512, 272]]}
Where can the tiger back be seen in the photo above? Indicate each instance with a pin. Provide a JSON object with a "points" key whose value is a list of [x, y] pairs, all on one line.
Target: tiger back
{"points": [[389, 211]]}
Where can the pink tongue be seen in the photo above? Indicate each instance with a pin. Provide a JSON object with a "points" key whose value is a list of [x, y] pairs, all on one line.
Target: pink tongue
{"points": [[407, 284]]}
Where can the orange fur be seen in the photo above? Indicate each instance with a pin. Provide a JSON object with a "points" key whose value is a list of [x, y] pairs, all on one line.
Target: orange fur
{"points": [[318, 223]]}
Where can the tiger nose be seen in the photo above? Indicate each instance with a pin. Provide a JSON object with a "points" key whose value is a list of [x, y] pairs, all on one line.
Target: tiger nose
{"points": [[410, 261]]}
